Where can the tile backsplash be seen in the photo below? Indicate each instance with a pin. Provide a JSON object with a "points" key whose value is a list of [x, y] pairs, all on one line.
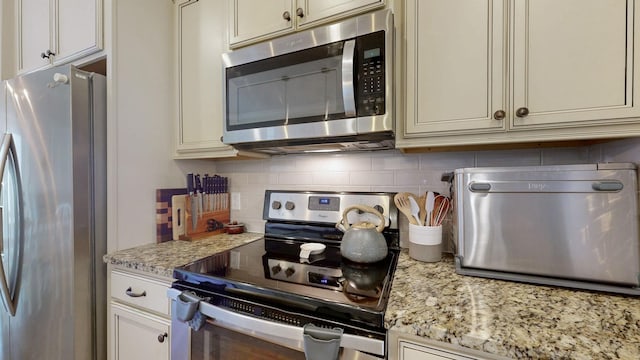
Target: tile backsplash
{"points": [[382, 171]]}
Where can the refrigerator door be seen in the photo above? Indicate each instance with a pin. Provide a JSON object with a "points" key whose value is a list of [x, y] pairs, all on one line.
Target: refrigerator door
{"points": [[50, 116], [5, 316]]}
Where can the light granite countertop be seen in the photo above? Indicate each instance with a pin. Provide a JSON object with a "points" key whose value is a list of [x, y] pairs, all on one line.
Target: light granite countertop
{"points": [[160, 259], [510, 319], [431, 301]]}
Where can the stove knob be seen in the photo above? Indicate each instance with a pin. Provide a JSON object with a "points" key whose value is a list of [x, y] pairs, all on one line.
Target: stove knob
{"points": [[276, 205], [289, 271], [379, 208], [289, 205], [276, 269]]}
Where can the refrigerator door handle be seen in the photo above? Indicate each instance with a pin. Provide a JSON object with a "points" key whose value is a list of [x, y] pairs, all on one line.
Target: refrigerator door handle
{"points": [[7, 149]]}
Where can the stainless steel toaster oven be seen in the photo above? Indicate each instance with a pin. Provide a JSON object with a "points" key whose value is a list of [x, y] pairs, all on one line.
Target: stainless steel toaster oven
{"points": [[569, 225]]}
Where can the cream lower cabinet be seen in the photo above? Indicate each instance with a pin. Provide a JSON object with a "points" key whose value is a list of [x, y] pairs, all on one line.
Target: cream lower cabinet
{"points": [[257, 20], [410, 347], [504, 71], [139, 317]]}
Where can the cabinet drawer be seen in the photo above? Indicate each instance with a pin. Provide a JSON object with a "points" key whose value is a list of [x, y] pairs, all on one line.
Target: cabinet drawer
{"points": [[139, 291]]}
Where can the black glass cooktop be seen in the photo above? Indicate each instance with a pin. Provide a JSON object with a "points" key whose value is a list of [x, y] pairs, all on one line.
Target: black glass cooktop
{"points": [[271, 271]]}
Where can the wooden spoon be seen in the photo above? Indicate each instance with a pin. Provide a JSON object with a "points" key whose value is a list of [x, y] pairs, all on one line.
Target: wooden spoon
{"points": [[402, 203]]}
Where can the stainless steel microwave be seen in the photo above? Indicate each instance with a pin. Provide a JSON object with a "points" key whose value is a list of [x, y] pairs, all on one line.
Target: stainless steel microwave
{"points": [[324, 89]]}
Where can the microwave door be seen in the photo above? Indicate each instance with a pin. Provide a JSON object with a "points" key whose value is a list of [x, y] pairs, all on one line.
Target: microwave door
{"points": [[307, 86], [348, 91]]}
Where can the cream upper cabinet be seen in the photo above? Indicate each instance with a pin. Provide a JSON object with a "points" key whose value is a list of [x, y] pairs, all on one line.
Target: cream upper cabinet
{"points": [[56, 32], [506, 71], [250, 20], [456, 76], [202, 27], [34, 29], [256, 20], [573, 62]]}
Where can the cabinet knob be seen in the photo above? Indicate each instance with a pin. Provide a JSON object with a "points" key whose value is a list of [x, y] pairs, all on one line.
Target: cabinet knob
{"points": [[130, 293], [161, 337], [522, 112], [47, 54], [499, 115], [300, 13], [286, 15]]}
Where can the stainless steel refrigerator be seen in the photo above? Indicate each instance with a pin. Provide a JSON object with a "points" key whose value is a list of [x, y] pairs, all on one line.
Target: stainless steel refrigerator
{"points": [[53, 216]]}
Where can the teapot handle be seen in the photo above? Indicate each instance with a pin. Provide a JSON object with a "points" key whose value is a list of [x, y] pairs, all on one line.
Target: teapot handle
{"points": [[344, 223]]}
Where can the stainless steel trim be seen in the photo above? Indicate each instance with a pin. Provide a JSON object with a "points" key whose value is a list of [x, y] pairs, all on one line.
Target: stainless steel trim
{"points": [[302, 212], [546, 186], [8, 149], [348, 93], [269, 329], [543, 280]]}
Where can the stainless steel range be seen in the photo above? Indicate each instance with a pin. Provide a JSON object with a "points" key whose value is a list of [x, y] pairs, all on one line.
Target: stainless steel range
{"points": [[268, 297]]}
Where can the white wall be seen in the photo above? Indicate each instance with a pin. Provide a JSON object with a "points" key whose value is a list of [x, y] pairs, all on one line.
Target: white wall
{"points": [[141, 114], [627, 150]]}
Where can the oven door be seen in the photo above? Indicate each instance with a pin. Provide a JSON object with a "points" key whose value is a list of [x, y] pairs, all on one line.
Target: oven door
{"points": [[230, 335]]}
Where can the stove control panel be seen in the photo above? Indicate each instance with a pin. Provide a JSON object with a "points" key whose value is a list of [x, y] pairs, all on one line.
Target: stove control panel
{"points": [[328, 207], [305, 274]]}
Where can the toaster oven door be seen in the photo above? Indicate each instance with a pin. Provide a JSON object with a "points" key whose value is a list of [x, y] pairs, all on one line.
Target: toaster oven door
{"points": [[574, 222]]}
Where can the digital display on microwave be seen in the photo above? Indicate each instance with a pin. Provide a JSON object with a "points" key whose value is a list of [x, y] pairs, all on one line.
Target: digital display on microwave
{"points": [[370, 53]]}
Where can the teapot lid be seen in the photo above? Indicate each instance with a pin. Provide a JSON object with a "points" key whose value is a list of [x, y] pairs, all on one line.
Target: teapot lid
{"points": [[364, 225]]}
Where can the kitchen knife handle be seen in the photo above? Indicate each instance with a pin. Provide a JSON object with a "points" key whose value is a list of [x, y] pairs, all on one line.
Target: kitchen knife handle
{"points": [[198, 184], [190, 183]]}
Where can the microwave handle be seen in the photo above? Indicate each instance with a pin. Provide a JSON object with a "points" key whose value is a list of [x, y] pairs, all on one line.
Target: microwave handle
{"points": [[348, 93]]}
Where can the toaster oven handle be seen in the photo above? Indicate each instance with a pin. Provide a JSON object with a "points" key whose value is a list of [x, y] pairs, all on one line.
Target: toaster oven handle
{"points": [[348, 92]]}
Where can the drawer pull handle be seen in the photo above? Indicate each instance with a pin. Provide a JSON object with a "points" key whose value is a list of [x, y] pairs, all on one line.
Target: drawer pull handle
{"points": [[129, 292], [161, 337]]}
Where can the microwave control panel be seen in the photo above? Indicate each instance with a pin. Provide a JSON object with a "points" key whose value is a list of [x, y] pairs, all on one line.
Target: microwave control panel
{"points": [[371, 74]]}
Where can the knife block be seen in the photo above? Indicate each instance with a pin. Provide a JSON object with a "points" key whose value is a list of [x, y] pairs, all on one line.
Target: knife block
{"points": [[208, 223]]}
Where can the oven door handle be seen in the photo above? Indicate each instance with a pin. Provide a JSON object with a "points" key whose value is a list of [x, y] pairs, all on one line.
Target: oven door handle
{"points": [[268, 328], [348, 91]]}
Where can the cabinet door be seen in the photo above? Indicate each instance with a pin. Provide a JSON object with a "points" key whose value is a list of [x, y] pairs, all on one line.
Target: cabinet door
{"points": [[314, 11], [573, 62], [138, 335], [78, 29], [251, 21], [455, 66], [34, 27], [201, 29]]}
